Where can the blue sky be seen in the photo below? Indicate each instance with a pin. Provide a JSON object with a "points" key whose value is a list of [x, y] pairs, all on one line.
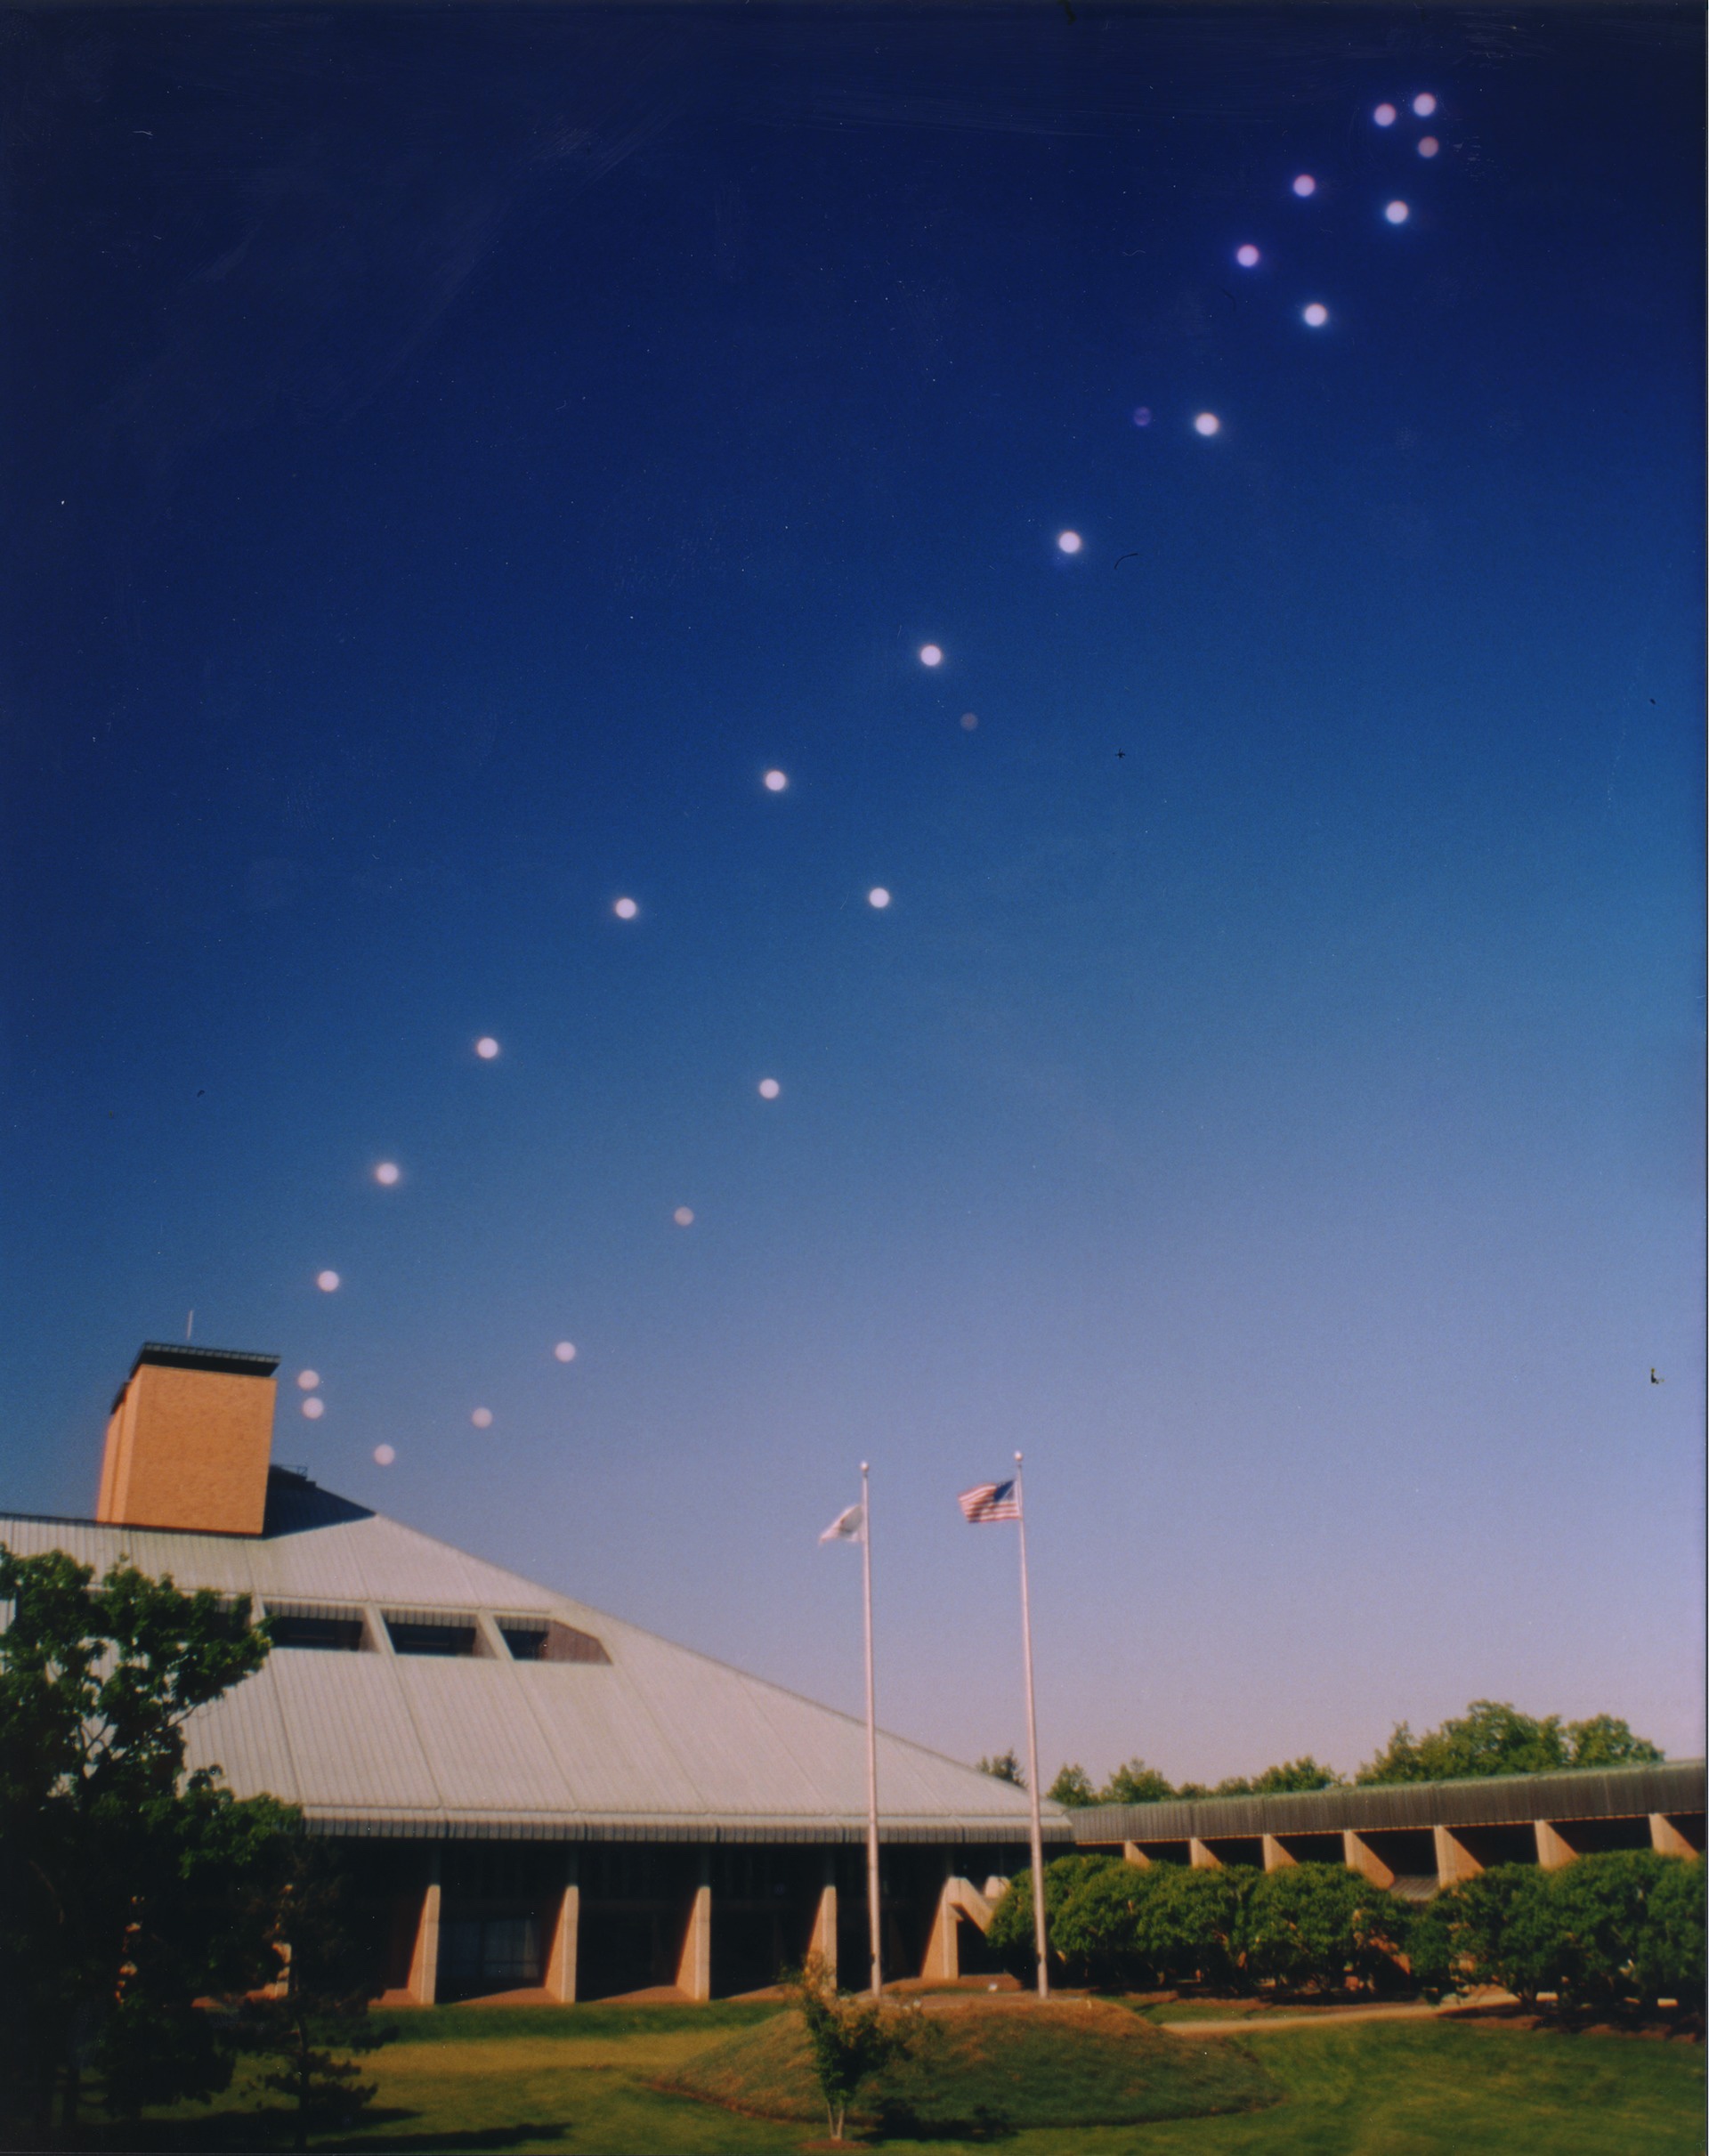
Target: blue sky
{"points": [[454, 457]]}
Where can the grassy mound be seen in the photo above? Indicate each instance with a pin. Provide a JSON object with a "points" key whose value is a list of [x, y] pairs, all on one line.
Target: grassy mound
{"points": [[977, 2071]]}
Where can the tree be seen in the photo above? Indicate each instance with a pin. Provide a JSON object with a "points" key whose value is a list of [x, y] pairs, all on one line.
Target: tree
{"points": [[1073, 1788], [1189, 1926], [118, 1874], [1493, 1737], [318, 2007], [1136, 1783], [1317, 1926], [1004, 1768], [1295, 1774], [850, 2039]]}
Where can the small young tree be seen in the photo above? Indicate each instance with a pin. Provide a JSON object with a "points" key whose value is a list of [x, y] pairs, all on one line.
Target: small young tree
{"points": [[1004, 1767], [1073, 1788], [1135, 1783], [318, 2008], [851, 2039]]}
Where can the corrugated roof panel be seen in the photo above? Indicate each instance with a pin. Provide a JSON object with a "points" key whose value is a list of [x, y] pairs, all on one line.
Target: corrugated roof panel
{"points": [[244, 1734], [485, 1751], [349, 1729], [612, 1753]]}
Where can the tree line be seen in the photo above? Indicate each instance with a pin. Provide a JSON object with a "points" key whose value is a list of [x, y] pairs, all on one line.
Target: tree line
{"points": [[1491, 1737], [1610, 1932]]}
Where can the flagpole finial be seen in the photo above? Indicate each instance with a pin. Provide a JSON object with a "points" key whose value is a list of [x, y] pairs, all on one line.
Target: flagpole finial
{"points": [[863, 1467], [1018, 1459]]}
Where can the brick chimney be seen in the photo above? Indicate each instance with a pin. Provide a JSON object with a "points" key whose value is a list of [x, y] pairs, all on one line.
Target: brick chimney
{"points": [[189, 1440]]}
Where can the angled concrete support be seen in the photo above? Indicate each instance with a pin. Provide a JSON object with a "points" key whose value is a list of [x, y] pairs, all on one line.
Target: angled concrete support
{"points": [[1131, 1854], [823, 1942], [1358, 1856], [423, 1959], [1275, 1857], [1665, 1838], [1454, 1860], [561, 1957], [1201, 1858], [942, 1960], [1553, 1850], [694, 1964]]}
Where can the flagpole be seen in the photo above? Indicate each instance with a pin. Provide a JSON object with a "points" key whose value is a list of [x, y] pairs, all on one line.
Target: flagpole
{"points": [[1031, 1749], [877, 1985]]}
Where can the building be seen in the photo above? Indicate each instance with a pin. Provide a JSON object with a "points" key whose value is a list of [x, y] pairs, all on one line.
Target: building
{"points": [[542, 1799]]}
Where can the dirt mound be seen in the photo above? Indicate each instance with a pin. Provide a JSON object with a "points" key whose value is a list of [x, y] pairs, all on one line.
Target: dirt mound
{"points": [[1086, 2064]]}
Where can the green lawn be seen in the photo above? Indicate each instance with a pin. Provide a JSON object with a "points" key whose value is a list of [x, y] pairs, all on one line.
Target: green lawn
{"points": [[578, 2083]]}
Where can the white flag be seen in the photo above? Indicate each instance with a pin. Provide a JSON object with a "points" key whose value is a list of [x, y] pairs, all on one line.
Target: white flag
{"points": [[847, 1526]]}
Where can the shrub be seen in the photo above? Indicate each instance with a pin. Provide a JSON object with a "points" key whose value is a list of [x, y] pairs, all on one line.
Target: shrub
{"points": [[1669, 1960], [1188, 1926], [850, 2039], [1316, 1926]]}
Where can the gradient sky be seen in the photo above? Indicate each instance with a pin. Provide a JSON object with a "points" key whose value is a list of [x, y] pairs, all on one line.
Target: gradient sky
{"points": [[452, 455]]}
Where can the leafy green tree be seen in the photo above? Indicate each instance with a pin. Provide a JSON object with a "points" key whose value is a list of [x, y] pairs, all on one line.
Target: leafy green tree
{"points": [[1072, 1787], [850, 2039], [1009, 1934], [318, 2008], [1668, 1960], [1092, 1929], [1189, 1926], [1136, 1783], [1295, 1774], [1493, 1737], [118, 1872], [1004, 1767], [1318, 1927]]}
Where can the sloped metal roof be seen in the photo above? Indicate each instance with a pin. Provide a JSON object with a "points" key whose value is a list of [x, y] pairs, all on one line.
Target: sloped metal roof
{"points": [[659, 1743]]}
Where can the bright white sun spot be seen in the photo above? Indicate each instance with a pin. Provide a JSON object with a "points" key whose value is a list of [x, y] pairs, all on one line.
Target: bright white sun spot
{"points": [[775, 782], [769, 1088], [1385, 115], [314, 1409], [387, 1172], [931, 654], [1247, 256], [626, 909], [481, 1418], [1305, 185], [1207, 424], [326, 1282], [877, 897], [486, 1047], [1316, 314], [1424, 104], [310, 1380], [383, 1455], [565, 1350], [684, 1216], [1070, 542], [1427, 146], [1397, 212]]}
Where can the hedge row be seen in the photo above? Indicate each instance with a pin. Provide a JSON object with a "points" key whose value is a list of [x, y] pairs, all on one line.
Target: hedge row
{"points": [[1606, 1928]]}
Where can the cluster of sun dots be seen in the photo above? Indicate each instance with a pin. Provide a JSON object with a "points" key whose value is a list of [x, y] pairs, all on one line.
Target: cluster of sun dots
{"points": [[309, 1382]]}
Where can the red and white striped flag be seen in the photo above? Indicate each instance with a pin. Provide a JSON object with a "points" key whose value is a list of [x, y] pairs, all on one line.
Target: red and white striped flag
{"points": [[989, 1501]]}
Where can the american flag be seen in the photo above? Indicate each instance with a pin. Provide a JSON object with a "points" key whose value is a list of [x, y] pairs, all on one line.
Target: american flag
{"points": [[989, 1501]]}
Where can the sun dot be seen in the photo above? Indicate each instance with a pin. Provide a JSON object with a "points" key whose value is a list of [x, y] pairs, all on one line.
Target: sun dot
{"points": [[626, 909], [565, 1351], [384, 1454], [387, 1172], [1424, 104], [1429, 146], [1247, 256], [1207, 424], [326, 1282], [769, 1088], [1305, 185], [481, 1418], [310, 1380], [314, 1409], [684, 1216], [969, 720], [1384, 115], [486, 1047], [1397, 212], [1142, 415], [1316, 314], [1070, 542], [775, 782], [931, 654], [878, 898]]}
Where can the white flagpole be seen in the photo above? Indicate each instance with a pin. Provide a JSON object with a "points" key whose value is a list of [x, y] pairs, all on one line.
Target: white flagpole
{"points": [[871, 1743], [1031, 1751]]}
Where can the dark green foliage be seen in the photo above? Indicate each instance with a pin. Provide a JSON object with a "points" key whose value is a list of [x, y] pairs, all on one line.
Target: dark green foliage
{"points": [[1190, 1928], [1136, 1783], [1309, 1927], [1494, 1738], [1004, 1767], [849, 2040], [120, 1878], [1073, 1788], [320, 2006], [1626, 1925], [1291, 1775]]}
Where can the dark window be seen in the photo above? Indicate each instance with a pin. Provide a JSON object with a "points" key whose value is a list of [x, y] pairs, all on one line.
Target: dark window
{"points": [[342, 1634], [547, 1640], [451, 1639], [524, 1645]]}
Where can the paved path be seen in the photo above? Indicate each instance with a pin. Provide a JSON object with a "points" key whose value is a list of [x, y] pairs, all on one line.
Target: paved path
{"points": [[1324, 2017]]}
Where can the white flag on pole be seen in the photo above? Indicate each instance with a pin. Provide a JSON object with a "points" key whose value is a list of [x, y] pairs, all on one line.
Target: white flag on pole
{"points": [[847, 1526]]}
